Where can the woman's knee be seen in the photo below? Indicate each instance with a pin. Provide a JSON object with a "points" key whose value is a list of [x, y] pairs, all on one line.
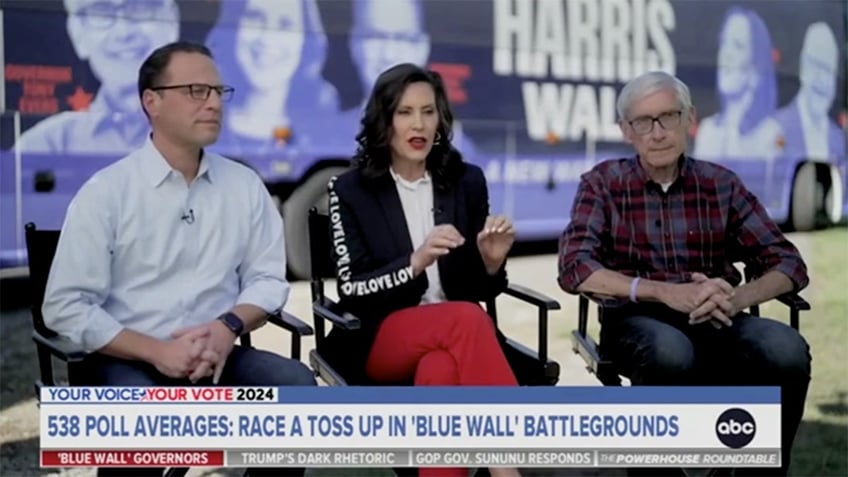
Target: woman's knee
{"points": [[437, 368], [470, 317]]}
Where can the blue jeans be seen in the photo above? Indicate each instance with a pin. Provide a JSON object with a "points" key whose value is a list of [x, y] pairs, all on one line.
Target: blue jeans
{"points": [[654, 345], [244, 367]]}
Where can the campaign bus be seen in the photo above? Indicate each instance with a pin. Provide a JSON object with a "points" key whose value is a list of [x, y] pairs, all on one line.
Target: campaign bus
{"points": [[533, 85]]}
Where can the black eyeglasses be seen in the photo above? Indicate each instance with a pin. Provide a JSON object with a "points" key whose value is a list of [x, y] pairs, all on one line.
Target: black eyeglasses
{"points": [[645, 124], [200, 91]]}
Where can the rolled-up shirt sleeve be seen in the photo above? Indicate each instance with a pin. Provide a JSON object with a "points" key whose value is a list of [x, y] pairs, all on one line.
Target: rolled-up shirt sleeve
{"points": [[262, 273], [580, 244], [758, 241], [80, 275]]}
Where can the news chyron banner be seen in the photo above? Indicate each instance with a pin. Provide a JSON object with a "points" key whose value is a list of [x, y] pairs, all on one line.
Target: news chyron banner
{"points": [[410, 426]]}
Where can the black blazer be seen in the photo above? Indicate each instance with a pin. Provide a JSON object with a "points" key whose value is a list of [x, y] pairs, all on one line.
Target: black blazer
{"points": [[372, 248]]}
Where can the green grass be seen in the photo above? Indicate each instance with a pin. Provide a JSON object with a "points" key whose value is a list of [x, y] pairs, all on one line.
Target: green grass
{"points": [[821, 447]]}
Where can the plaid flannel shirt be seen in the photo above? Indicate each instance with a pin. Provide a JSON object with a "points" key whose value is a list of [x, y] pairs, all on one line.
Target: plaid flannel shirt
{"points": [[705, 222]]}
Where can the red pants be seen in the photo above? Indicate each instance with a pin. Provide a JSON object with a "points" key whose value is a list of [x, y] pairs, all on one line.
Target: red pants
{"points": [[442, 344]]}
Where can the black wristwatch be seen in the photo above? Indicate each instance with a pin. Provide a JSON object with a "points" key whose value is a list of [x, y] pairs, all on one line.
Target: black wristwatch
{"points": [[233, 323]]}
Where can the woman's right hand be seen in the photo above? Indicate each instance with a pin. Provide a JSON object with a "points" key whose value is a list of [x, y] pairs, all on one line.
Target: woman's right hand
{"points": [[441, 240]]}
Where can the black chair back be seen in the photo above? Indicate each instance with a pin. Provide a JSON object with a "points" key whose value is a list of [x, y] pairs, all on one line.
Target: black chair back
{"points": [[322, 266], [41, 247], [320, 251]]}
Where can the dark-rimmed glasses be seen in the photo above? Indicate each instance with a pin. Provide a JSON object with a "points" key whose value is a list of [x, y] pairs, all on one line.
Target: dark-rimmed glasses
{"points": [[201, 91], [645, 124]]}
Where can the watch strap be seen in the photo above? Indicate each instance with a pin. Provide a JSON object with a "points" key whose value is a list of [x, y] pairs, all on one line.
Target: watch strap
{"points": [[233, 323]]}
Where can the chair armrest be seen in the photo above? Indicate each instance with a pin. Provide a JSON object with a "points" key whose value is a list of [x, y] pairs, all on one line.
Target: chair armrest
{"points": [[544, 304], [60, 347], [531, 296], [604, 301], [794, 301], [326, 308], [289, 322]]}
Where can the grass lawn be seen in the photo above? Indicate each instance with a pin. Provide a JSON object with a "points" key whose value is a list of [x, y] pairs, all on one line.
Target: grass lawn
{"points": [[822, 444]]}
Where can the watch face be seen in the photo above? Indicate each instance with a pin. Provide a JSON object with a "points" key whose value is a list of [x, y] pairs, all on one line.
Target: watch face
{"points": [[233, 322]]}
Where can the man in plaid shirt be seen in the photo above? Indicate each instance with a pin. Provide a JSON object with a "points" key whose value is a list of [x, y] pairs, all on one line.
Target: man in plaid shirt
{"points": [[659, 232]]}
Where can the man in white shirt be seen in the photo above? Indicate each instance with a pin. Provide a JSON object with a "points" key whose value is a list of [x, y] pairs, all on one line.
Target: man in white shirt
{"points": [[171, 253], [808, 130]]}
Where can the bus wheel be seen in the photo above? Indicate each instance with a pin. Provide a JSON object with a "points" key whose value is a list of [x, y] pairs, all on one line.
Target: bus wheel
{"points": [[804, 198], [312, 193], [834, 197]]}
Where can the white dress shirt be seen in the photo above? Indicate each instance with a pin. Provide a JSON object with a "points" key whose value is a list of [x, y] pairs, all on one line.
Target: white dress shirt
{"points": [[416, 198], [815, 135], [141, 249]]}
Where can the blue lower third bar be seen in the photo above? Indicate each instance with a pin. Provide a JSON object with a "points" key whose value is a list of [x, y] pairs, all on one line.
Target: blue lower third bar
{"points": [[529, 395]]}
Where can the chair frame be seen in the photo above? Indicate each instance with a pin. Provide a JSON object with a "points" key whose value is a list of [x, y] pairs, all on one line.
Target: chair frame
{"points": [[605, 370], [49, 344], [325, 309]]}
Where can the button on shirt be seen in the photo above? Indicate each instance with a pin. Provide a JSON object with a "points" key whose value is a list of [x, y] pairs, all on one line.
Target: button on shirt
{"points": [[416, 198], [141, 249]]}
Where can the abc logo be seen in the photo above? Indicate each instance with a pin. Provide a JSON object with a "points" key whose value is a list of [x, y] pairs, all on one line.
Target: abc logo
{"points": [[736, 428]]}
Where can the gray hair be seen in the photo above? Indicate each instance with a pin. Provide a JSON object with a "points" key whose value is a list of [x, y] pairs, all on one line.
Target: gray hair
{"points": [[647, 84]]}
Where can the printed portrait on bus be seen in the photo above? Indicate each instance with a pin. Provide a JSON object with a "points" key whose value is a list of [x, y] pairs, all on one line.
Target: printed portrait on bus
{"points": [[808, 127], [272, 53], [114, 37], [746, 85], [386, 33]]}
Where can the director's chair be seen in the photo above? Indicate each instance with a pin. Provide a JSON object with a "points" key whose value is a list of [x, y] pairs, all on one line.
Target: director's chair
{"points": [[531, 368], [41, 248], [592, 352]]}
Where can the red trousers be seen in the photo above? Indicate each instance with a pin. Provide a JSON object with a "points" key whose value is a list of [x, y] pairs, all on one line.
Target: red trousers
{"points": [[441, 344]]}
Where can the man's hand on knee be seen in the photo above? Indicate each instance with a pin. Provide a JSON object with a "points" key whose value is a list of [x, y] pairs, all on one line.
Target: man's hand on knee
{"points": [[717, 306], [696, 298], [687, 297], [205, 360], [177, 358], [217, 345]]}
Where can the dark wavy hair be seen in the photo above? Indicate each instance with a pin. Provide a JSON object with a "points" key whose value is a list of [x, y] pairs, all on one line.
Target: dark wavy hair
{"points": [[373, 155]]}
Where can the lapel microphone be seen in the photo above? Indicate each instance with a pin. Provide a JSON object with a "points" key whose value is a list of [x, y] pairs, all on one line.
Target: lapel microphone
{"points": [[188, 217]]}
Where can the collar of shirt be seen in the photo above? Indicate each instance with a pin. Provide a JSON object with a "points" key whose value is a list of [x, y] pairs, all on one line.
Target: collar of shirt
{"points": [[641, 178], [157, 169], [411, 185]]}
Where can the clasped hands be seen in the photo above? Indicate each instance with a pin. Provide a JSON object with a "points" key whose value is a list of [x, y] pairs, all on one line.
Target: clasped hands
{"points": [[704, 299], [493, 241], [195, 352]]}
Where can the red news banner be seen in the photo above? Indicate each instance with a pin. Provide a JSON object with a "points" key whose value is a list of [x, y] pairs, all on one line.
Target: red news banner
{"points": [[122, 458], [144, 458]]}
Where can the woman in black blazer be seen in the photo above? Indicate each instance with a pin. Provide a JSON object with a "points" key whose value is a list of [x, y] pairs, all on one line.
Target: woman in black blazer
{"points": [[415, 247]]}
